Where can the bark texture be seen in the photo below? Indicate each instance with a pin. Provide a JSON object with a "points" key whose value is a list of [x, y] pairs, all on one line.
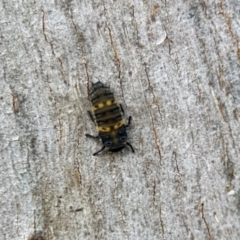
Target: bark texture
{"points": [[174, 65]]}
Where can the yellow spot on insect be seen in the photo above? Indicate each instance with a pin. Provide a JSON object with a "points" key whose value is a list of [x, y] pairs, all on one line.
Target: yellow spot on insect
{"points": [[104, 129], [100, 105], [109, 102], [119, 124], [93, 108]]}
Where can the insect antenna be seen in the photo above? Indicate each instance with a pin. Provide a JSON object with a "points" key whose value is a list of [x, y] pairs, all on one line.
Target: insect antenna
{"points": [[130, 146], [99, 151], [91, 136], [129, 121], [121, 109], [90, 115]]}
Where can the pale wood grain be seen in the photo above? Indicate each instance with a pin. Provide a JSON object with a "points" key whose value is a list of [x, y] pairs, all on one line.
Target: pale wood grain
{"points": [[174, 66]]}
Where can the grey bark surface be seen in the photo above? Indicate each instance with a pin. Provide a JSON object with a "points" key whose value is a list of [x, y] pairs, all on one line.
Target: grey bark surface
{"points": [[174, 65]]}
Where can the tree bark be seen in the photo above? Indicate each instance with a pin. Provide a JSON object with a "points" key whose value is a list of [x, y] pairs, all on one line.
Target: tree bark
{"points": [[174, 66]]}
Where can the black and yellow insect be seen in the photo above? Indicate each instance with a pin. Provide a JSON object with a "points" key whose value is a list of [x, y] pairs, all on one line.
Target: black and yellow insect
{"points": [[108, 117]]}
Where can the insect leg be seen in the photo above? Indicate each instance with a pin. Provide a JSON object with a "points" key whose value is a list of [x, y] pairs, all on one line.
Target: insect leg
{"points": [[91, 136], [90, 115], [121, 109], [129, 121], [130, 147], [99, 151]]}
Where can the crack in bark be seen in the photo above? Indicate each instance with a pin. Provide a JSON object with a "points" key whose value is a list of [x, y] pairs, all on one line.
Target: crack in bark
{"points": [[61, 69], [159, 209], [155, 101], [51, 45], [43, 26], [167, 38], [116, 57], [44, 32], [154, 130], [114, 51], [154, 191], [156, 140], [218, 105], [228, 164], [37, 234], [205, 221]]}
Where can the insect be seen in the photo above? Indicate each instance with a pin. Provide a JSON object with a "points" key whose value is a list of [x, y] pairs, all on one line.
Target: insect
{"points": [[107, 115]]}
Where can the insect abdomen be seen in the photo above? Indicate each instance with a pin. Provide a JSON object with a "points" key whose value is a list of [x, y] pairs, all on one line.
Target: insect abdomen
{"points": [[106, 111]]}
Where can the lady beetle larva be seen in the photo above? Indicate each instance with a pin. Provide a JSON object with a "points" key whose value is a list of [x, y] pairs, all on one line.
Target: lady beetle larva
{"points": [[107, 115]]}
